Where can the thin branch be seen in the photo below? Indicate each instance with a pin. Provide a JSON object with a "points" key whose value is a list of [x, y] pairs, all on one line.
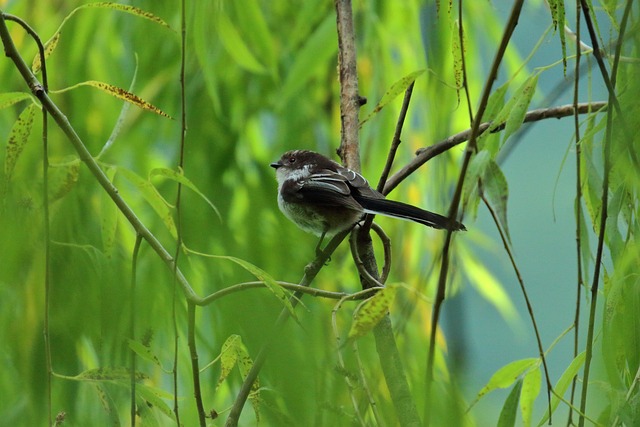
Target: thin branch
{"points": [[195, 369], [423, 155], [578, 211], [395, 142], [178, 205], [132, 325], [453, 210]]}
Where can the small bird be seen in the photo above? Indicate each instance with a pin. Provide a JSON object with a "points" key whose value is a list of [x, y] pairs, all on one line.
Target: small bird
{"points": [[324, 198]]}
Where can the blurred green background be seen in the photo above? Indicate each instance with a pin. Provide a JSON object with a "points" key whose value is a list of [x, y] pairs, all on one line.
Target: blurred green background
{"points": [[261, 79]]}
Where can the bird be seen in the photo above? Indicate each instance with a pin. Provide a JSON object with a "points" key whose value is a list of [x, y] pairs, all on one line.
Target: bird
{"points": [[324, 198]]}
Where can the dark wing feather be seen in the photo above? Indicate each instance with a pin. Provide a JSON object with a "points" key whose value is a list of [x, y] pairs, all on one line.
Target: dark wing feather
{"points": [[328, 188]]}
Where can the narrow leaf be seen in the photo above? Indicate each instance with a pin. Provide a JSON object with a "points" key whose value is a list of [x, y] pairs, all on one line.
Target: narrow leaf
{"points": [[558, 17], [496, 190], [179, 177], [510, 407], [507, 375], [530, 390], [245, 363], [62, 178], [49, 47], [320, 47], [108, 217], [151, 195], [119, 93], [236, 47], [18, 138], [156, 397], [371, 311], [144, 352], [107, 374], [456, 54], [563, 384], [396, 89]]}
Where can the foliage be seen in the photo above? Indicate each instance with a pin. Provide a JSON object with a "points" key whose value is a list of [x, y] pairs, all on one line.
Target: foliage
{"points": [[260, 78]]}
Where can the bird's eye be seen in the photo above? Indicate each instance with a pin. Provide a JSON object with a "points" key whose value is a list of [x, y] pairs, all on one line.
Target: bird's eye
{"points": [[292, 160]]}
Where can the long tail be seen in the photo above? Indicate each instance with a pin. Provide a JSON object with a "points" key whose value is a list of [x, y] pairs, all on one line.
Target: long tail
{"points": [[404, 211]]}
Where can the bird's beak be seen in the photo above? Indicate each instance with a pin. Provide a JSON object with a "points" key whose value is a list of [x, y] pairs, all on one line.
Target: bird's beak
{"points": [[276, 165]]}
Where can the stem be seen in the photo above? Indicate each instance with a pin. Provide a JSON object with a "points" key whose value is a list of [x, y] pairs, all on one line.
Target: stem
{"points": [[195, 370]]}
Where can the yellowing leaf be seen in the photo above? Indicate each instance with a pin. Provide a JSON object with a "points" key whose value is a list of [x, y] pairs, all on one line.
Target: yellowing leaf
{"points": [[120, 94], [49, 46], [371, 311], [228, 357], [10, 98], [530, 390], [18, 138]]}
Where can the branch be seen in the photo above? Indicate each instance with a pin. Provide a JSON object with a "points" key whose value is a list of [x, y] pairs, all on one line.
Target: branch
{"points": [[423, 155]]}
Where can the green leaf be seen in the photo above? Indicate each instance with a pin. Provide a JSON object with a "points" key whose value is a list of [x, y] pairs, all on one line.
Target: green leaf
{"points": [[107, 374], [506, 376], [156, 397], [10, 98], [530, 390], [371, 311], [490, 288], [514, 111], [496, 191], [119, 93], [18, 138], [252, 21], [235, 45], [315, 54], [151, 195], [456, 54], [510, 407], [179, 177], [108, 217], [396, 89], [476, 169], [145, 353], [245, 363], [62, 178], [563, 384]]}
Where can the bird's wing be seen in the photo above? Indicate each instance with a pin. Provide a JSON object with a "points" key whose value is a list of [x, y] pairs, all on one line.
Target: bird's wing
{"points": [[328, 188]]}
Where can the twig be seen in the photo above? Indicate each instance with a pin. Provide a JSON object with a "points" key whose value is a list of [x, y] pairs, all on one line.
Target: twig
{"points": [[132, 325], [423, 155], [178, 207], [195, 369], [578, 210], [453, 210], [395, 142]]}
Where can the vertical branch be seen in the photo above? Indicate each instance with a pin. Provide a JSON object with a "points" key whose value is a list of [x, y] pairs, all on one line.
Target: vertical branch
{"points": [[349, 150], [195, 370], [578, 210], [132, 324], [453, 210], [183, 132], [386, 346]]}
